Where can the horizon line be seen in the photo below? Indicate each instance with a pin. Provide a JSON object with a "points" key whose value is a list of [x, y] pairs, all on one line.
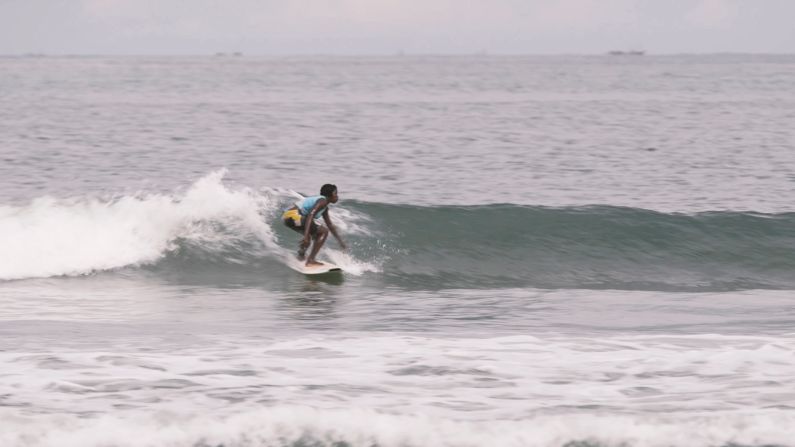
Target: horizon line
{"points": [[391, 54]]}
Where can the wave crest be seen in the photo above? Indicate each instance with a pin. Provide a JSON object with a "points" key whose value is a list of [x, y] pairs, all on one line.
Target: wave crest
{"points": [[53, 237]]}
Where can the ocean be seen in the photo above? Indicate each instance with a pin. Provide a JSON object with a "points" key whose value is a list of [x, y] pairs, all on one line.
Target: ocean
{"points": [[545, 251]]}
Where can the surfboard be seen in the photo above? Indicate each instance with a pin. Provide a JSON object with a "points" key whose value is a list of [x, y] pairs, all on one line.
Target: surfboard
{"points": [[300, 267]]}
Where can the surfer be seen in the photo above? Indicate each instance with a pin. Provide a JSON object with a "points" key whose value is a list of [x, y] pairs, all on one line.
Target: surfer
{"points": [[301, 218]]}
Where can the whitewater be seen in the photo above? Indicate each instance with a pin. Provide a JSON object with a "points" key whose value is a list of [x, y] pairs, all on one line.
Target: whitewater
{"points": [[560, 251], [78, 236]]}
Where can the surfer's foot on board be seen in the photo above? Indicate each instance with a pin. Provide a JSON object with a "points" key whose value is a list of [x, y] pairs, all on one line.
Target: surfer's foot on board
{"points": [[313, 263]]}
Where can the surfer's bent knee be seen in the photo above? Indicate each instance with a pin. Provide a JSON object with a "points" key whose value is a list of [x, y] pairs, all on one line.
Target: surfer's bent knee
{"points": [[319, 232]]}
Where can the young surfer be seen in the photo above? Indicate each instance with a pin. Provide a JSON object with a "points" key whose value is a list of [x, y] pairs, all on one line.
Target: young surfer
{"points": [[301, 218]]}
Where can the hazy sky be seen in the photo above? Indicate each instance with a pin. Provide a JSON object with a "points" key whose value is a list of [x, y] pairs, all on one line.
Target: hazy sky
{"points": [[390, 26]]}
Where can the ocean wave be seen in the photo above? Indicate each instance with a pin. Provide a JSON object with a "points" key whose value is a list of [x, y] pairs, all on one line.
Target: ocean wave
{"points": [[53, 237], [215, 226], [592, 247]]}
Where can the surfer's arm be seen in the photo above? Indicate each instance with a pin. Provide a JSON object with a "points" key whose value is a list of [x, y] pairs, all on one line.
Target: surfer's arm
{"points": [[333, 229]]}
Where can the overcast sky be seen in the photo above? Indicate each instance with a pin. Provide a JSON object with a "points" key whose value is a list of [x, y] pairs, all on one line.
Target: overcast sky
{"points": [[391, 26]]}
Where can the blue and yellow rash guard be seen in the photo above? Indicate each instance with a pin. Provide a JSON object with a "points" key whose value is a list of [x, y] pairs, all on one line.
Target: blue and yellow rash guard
{"points": [[302, 209], [307, 203]]}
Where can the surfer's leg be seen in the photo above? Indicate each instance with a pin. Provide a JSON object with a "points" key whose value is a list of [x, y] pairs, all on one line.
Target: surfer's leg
{"points": [[319, 236], [290, 223]]}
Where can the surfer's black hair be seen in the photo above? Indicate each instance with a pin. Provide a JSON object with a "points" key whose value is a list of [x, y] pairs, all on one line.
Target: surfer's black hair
{"points": [[327, 190]]}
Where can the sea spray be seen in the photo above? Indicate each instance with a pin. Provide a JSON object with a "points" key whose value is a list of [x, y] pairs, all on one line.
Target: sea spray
{"points": [[75, 236]]}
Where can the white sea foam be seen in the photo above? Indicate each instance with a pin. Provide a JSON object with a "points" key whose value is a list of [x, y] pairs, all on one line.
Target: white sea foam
{"points": [[350, 264], [52, 237], [473, 379], [286, 426]]}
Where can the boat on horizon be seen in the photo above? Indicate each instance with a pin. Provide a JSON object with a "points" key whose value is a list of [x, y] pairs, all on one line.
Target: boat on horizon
{"points": [[626, 53]]}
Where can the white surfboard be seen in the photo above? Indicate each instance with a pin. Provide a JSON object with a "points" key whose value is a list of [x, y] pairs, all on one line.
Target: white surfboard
{"points": [[300, 266]]}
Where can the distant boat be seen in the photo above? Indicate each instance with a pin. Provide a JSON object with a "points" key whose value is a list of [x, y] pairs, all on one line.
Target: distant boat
{"points": [[626, 53]]}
